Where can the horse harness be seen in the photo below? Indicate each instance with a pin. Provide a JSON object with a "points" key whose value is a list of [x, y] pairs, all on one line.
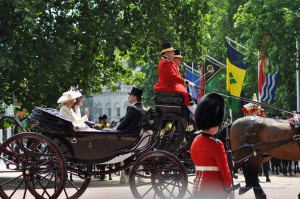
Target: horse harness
{"points": [[272, 145]]}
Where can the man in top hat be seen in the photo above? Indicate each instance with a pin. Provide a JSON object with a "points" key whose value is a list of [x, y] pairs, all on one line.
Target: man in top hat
{"points": [[208, 153], [169, 78], [177, 58], [134, 112]]}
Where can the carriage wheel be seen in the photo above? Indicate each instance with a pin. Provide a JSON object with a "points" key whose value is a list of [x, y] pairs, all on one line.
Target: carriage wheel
{"points": [[76, 182], [158, 174], [171, 134], [77, 175], [34, 164]]}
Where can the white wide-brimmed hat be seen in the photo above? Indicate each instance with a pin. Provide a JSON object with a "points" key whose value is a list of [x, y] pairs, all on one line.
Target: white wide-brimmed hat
{"points": [[69, 95]]}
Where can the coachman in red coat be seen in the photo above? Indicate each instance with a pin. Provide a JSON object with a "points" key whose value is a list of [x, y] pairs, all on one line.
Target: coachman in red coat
{"points": [[213, 176], [169, 78]]}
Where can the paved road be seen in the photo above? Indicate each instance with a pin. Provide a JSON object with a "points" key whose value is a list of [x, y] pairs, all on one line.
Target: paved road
{"points": [[280, 188]]}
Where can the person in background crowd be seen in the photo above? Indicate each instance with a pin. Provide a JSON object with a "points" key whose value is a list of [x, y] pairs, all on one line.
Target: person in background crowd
{"points": [[102, 123], [169, 78], [213, 178]]}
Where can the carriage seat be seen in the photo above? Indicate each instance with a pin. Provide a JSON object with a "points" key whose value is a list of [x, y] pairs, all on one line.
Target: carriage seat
{"points": [[49, 121], [167, 98], [166, 102]]}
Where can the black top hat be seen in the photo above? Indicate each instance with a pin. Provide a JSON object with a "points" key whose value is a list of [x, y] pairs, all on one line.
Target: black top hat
{"points": [[210, 111], [177, 53], [136, 92], [168, 46]]}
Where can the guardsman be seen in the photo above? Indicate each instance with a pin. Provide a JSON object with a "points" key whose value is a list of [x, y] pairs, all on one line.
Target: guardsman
{"points": [[169, 78], [213, 178], [253, 109]]}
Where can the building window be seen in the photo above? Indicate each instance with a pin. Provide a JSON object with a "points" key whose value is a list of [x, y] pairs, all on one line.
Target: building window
{"points": [[109, 112], [100, 111], [118, 112]]}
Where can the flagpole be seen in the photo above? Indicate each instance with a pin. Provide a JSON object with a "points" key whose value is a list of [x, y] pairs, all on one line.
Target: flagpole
{"points": [[238, 44], [259, 100], [297, 75], [189, 67], [216, 62], [246, 100]]}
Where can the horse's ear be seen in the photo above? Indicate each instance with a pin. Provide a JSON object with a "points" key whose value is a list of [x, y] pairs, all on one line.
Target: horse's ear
{"points": [[210, 111]]}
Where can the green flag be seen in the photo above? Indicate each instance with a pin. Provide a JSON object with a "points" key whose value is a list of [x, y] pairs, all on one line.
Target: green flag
{"points": [[233, 104]]}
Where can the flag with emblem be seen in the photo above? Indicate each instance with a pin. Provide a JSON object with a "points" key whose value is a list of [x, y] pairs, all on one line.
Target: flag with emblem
{"points": [[236, 71], [210, 75]]}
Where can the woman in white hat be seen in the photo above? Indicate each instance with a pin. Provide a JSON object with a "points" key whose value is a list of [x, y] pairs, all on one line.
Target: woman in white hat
{"points": [[67, 100]]}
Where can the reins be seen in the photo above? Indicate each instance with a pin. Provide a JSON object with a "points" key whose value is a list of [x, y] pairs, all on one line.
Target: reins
{"points": [[259, 152], [247, 100]]}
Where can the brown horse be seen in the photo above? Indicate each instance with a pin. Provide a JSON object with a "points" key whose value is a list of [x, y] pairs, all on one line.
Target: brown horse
{"points": [[256, 139]]}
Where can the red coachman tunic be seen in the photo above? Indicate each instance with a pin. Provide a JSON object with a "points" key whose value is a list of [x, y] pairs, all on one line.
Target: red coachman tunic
{"points": [[170, 80], [209, 152]]}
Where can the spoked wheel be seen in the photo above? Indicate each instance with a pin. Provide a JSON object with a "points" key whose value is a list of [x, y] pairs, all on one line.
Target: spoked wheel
{"points": [[35, 167], [171, 134], [158, 174], [77, 181]]}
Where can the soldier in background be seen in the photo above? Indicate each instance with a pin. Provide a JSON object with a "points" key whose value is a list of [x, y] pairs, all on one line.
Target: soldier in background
{"points": [[251, 109], [103, 123]]}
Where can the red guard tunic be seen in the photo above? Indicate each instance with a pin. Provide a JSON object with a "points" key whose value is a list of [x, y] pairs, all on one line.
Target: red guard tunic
{"points": [[208, 152], [252, 111], [170, 80]]}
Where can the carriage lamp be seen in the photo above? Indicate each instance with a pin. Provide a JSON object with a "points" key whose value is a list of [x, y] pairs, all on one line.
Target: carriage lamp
{"points": [[90, 145]]}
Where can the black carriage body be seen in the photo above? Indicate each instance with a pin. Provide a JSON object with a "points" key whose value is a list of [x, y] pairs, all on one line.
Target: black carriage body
{"points": [[96, 146]]}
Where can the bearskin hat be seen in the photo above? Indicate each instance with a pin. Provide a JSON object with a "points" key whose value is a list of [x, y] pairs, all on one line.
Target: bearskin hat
{"points": [[210, 111]]}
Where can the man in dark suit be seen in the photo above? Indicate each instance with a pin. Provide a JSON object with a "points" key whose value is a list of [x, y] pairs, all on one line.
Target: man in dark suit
{"points": [[134, 112]]}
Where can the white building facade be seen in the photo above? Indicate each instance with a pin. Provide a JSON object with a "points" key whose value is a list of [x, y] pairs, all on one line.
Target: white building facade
{"points": [[112, 104]]}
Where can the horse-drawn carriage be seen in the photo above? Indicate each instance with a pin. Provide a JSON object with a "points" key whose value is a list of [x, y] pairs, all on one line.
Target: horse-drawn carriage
{"points": [[38, 164]]}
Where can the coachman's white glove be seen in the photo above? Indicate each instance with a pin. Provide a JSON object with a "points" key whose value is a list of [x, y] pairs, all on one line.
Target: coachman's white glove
{"points": [[191, 84], [188, 83]]}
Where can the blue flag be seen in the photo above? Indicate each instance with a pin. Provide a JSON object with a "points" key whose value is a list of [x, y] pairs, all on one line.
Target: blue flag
{"points": [[192, 77], [269, 87]]}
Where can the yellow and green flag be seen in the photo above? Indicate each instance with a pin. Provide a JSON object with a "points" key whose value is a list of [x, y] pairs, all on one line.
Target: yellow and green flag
{"points": [[236, 71]]}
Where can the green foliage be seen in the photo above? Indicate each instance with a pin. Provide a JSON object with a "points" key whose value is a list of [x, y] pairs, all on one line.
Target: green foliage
{"points": [[48, 46], [279, 21]]}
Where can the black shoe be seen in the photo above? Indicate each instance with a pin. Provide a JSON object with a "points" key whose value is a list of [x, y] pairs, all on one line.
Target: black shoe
{"points": [[243, 190], [268, 180]]}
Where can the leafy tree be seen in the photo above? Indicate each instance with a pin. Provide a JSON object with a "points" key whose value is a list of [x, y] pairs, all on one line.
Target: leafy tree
{"points": [[48, 46], [279, 21]]}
